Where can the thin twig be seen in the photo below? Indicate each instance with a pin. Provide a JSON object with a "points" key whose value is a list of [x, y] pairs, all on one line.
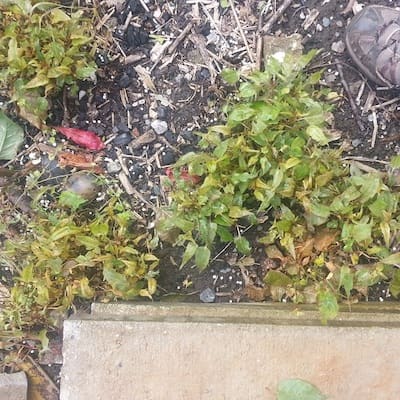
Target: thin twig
{"points": [[365, 159], [375, 131], [179, 38], [267, 27], [386, 103], [350, 97], [241, 31]]}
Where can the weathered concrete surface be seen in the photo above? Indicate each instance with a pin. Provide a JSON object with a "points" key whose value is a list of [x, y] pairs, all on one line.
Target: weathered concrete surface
{"points": [[13, 386], [187, 352]]}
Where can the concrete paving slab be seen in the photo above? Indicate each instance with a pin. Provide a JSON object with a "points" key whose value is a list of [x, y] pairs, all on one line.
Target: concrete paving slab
{"points": [[161, 354], [13, 386]]}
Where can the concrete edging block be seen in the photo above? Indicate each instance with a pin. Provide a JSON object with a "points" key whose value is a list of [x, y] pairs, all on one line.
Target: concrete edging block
{"points": [[13, 386], [235, 352]]}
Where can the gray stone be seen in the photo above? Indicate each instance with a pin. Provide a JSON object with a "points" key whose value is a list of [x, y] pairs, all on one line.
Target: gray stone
{"points": [[326, 22], [159, 126], [237, 352], [13, 386], [338, 47], [207, 296], [113, 167]]}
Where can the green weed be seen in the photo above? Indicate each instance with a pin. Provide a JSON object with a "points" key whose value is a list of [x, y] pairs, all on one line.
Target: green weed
{"points": [[328, 224], [70, 254], [43, 46]]}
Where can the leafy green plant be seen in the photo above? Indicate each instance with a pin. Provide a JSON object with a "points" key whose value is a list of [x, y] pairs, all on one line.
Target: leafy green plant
{"points": [[43, 47], [329, 224], [11, 137], [76, 254]]}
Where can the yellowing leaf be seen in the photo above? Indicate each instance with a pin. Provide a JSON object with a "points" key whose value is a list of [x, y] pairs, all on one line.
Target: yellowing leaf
{"points": [[38, 81], [57, 15]]}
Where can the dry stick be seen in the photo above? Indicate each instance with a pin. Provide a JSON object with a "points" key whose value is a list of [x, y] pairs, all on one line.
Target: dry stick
{"points": [[211, 19], [375, 131], [351, 100], [386, 103], [259, 44], [179, 38], [267, 27], [241, 31]]}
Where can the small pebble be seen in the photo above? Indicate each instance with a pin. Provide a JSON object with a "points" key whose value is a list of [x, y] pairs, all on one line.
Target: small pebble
{"points": [[207, 296], [162, 112], [122, 139], [339, 24], [356, 142], [124, 81], [113, 167], [338, 47], [168, 157], [326, 22], [159, 126]]}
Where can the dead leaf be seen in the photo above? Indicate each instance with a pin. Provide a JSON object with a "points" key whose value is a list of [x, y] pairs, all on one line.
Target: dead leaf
{"points": [[324, 239], [331, 266], [145, 77], [256, 293], [273, 252], [306, 249], [84, 161]]}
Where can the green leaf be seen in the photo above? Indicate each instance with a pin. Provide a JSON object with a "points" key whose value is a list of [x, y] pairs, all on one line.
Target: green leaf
{"points": [[57, 15], [298, 389], [230, 76], [240, 113], [44, 340], [38, 81], [190, 251], [346, 279], [89, 242], [202, 257], [277, 278], [327, 305], [11, 137], [393, 259], [316, 133], [99, 229], [115, 279], [71, 200], [242, 245], [395, 162], [394, 286]]}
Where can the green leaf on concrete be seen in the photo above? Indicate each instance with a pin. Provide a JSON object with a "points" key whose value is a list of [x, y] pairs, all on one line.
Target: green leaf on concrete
{"points": [[11, 137], [328, 305], [298, 389]]}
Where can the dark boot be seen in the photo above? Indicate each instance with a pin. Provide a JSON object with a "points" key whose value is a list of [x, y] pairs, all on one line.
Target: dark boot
{"points": [[373, 41]]}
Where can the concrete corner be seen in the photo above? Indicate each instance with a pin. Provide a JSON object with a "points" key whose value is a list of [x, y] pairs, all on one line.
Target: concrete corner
{"points": [[13, 386]]}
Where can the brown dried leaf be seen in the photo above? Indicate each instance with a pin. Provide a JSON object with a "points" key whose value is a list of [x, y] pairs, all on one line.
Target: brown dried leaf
{"points": [[84, 161], [256, 293], [305, 250], [273, 252], [324, 239]]}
